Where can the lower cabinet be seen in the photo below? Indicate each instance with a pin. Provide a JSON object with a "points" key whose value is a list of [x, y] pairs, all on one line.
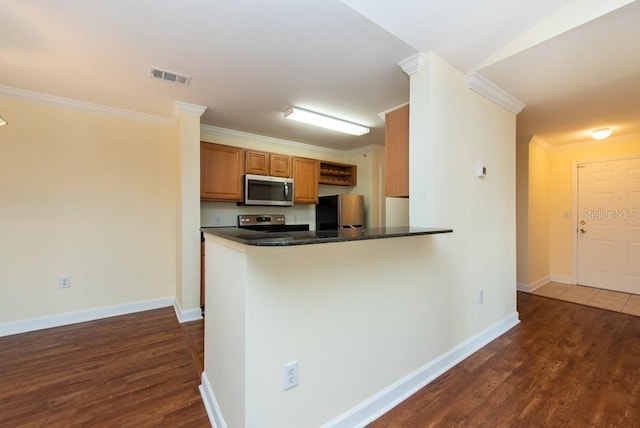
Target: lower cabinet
{"points": [[306, 175]]}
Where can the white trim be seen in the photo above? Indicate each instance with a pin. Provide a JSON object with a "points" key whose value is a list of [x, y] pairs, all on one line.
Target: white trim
{"points": [[380, 403], [223, 132], [562, 279], [528, 288], [535, 140], [210, 403], [186, 315], [490, 90], [41, 323], [591, 142], [190, 109], [52, 100], [383, 114], [365, 149], [413, 64]]}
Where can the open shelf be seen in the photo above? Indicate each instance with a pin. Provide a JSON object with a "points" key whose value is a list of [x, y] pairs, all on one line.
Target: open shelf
{"points": [[338, 174]]}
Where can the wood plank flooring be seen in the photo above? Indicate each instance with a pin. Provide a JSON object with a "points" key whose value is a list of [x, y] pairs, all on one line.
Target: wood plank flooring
{"points": [[564, 365], [135, 370]]}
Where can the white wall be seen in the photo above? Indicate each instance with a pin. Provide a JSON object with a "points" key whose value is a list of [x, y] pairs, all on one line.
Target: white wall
{"points": [[85, 195], [358, 317], [452, 130], [387, 309]]}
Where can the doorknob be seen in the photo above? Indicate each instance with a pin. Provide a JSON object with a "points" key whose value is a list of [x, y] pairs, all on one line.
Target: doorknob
{"points": [[583, 230]]}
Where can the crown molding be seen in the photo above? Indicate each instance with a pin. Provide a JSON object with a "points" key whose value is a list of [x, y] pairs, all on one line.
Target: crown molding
{"points": [[493, 92], [588, 143], [224, 132], [413, 64], [366, 149], [383, 114], [543, 144], [190, 109], [52, 100]]}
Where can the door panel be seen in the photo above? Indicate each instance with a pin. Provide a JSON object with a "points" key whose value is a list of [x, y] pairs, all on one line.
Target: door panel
{"points": [[609, 225]]}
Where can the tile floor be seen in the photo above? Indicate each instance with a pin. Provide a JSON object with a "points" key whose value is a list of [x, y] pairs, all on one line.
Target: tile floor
{"points": [[605, 299]]}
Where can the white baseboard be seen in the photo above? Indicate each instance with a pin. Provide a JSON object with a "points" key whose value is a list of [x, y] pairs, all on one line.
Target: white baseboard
{"points": [[210, 403], [186, 315], [40, 323], [380, 403], [528, 288], [562, 279]]}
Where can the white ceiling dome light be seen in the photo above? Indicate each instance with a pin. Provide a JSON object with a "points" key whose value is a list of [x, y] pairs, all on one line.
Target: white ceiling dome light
{"points": [[601, 134]]}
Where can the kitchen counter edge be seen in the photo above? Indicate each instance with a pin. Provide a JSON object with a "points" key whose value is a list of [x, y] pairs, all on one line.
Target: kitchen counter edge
{"points": [[280, 239]]}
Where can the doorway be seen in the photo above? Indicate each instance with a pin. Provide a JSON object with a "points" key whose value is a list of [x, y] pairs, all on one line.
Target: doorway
{"points": [[607, 239]]}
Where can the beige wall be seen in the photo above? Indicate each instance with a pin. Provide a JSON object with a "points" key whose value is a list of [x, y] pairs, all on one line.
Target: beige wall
{"points": [[560, 191], [85, 195], [538, 216], [522, 210]]}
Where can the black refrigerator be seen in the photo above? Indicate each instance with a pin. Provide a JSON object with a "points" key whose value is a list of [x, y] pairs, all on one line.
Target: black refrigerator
{"points": [[340, 211]]}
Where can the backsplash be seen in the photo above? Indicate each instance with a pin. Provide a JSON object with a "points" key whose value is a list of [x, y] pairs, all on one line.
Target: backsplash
{"points": [[218, 214], [215, 214]]}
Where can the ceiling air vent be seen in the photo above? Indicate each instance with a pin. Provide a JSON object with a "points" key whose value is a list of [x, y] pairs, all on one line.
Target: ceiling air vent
{"points": [[169, 76]]}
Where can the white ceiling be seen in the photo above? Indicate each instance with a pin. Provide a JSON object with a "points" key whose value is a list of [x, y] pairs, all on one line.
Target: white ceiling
{"points": [[570, 61]]}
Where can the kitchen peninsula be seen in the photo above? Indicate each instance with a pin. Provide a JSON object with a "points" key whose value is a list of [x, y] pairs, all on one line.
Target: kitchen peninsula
{"points": [[345, 305]]}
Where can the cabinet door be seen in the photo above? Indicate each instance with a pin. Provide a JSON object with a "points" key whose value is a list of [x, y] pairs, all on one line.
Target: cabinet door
{"points": [[279, 165], [396, 143], [221, 170], [306, 174], [256, 162]]}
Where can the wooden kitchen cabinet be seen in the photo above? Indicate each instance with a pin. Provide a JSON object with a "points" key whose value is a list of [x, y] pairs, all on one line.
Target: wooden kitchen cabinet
{"points": [[279, 165], [221, 171], [256, 162], [306, 175], [264, 163], [396, 149]]}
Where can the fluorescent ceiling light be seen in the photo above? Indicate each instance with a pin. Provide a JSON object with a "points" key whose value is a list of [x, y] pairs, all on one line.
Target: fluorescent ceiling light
{"points": [[2, 121], [601, 134], [317, 119]]}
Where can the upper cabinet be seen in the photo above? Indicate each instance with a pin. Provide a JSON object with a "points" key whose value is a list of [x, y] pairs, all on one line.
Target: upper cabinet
{"points": [[221, 171], [338, 174], [263, 163], [306, 175], [279, 165], [396, 147]]}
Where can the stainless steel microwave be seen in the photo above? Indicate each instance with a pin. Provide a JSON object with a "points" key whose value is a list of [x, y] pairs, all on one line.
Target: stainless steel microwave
{"points": [[265, 190]]}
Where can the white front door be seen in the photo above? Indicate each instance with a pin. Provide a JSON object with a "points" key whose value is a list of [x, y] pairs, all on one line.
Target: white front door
{"points": [[609, 225]]}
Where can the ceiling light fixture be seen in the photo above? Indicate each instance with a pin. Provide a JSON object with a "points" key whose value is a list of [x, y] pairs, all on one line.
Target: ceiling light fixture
{"points": [[3, 122], [601, 134], [317, 119]]}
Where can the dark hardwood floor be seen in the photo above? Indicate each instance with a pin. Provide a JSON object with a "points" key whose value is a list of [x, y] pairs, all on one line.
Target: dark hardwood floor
{"points": [[564, 365], [134, 370]]}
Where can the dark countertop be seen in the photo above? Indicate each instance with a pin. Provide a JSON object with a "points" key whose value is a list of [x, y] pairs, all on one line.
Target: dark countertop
{"points": [[278, 239]]}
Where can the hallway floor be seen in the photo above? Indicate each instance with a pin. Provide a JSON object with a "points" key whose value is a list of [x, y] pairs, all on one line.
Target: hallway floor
{"points": [[605, 299]]}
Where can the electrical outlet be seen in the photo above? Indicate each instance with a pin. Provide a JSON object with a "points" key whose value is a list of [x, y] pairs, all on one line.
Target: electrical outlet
{"points": [[64, 281], [481, 297], [218, 220], [290, 375]]}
